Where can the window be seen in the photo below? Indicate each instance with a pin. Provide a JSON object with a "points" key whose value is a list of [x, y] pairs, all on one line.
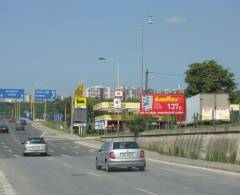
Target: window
{"points": [[125, 145]]}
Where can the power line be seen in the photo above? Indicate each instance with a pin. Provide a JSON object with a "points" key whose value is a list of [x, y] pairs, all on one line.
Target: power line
{"points": [[167, 74]]}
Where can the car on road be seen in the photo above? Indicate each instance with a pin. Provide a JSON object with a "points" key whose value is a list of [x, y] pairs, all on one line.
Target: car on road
{"points": [[23, 121], [120, 154], [12, 120], [35, 145], [20, 127], [4, 128]]}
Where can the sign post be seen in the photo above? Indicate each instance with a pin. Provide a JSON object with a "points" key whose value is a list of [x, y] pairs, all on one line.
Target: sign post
{"points": [[44, 95]]}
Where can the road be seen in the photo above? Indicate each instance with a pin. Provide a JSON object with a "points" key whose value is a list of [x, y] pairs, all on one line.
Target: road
{"points": [[70, 170]]}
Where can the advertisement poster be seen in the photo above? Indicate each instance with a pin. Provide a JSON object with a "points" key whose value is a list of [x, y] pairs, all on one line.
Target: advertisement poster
{"points": [[162, 104]]}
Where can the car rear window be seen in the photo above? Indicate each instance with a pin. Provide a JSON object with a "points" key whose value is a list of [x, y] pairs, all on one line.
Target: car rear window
{"points": [[125, 145], [36, 140]]}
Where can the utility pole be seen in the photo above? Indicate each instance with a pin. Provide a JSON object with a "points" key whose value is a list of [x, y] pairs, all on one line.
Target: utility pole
{"points": [[146, 81]]}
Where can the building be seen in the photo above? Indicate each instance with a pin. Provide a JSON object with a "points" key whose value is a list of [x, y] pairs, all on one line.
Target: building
{"points": [[100, 92]]}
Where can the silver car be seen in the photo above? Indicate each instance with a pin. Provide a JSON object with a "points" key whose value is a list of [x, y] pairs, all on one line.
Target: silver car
{"points": [[35, 145], [120, 154]]}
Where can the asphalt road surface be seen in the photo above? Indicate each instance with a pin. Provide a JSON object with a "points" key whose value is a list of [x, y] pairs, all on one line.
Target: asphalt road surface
{"points": [[70, 170]]}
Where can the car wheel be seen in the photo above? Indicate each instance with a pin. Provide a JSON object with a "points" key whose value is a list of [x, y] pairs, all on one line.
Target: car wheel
{"points": [[97, 166], [129, 168], [142, 168], [107, 167]]}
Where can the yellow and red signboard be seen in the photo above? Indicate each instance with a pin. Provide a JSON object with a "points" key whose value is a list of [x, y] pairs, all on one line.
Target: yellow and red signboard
{"points": [[163, 104]]}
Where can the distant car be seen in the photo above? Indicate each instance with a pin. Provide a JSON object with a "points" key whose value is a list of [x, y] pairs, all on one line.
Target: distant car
{"points": [[4, 128], [20, 127], [23, 121], [120, 154], [12, 120], [35, 145]]}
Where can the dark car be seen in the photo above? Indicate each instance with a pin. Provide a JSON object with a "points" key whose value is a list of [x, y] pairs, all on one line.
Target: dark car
{"points": [[4, 129], [24, 122], [20, 127], [12, 120]]}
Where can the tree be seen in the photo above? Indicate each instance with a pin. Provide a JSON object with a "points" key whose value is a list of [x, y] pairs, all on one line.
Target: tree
{"points": [[137, 124], [209, 77]]}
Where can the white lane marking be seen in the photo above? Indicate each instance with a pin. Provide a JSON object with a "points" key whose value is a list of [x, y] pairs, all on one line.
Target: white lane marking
{"points": [[65, 143], [51, 150], [52, 144], [49, 158], [75, 152], [5, 146], [42, 134], [17, 156], [6, 185], [95, 174], [89, 145], [193, 166], [9, 150], [3, 143], [146, 191], [67, 165], [67, 156]]}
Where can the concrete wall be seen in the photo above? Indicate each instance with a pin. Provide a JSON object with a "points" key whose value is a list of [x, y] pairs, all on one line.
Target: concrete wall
{"points": [[220, 147]]}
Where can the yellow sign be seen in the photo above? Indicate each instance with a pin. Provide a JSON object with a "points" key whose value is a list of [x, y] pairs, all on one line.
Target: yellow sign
{"points": [[80, 102]]}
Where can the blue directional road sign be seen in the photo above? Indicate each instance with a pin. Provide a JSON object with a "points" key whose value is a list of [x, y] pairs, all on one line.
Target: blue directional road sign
{"points": [[45, 94], [12, 93], [58, 117]]}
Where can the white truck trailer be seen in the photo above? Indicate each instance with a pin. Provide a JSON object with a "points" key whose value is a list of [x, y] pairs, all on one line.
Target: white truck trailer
{"points": [[208, 107]]}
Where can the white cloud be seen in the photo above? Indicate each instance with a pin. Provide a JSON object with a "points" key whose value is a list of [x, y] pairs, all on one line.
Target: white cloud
{"points": [[176, 20]]}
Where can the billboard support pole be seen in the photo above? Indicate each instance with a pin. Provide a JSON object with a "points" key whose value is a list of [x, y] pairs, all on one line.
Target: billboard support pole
{"points": [[45, 109], [71, 128]]}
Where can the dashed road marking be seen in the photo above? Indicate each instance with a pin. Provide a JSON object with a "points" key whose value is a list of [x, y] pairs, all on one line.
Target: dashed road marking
{"points": [[16, 156], [67, 156], [9, 150], [53, 144], [146, 191], [50, 150], [67, 165], [49, 158], [95, 174], [75, 152]]}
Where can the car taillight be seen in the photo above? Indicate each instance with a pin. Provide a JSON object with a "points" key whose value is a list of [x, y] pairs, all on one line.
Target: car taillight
{"points": [[111, 155], [142, 154], [26, 142]]}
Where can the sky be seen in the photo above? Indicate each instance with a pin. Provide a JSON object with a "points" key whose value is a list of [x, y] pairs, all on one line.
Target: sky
{"points": [[56, 44]]}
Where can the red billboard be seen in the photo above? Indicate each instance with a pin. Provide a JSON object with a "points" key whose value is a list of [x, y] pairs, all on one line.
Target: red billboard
{"points": [[163, 104]]}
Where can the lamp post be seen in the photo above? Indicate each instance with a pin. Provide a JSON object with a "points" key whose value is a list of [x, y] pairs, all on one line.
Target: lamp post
{"points": [[117, 64], [118, 80], [150, 21]]}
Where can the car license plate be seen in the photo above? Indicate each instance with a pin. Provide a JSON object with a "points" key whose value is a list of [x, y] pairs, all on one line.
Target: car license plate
{"points": [[126, 154], [36, 147]]}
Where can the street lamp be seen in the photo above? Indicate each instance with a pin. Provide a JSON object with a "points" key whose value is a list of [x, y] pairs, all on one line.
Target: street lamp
{"points": [[117, 64], [118, 82], [150, 21]]}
